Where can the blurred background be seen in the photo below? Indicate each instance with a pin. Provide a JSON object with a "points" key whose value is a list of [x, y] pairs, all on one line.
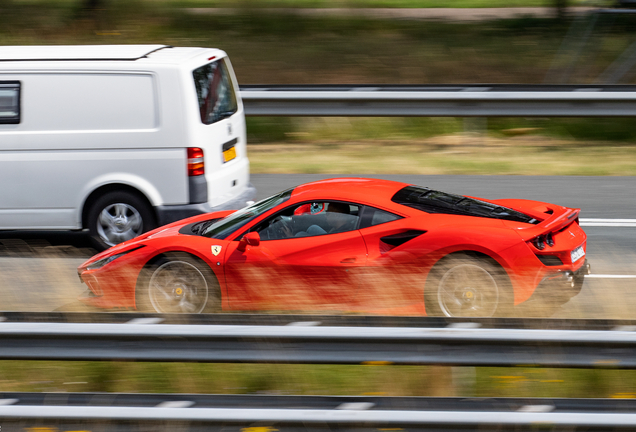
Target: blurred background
{"points": [[357, 42], [381, 42]]}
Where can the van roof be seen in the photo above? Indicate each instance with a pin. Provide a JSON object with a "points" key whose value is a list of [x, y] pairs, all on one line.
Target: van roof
{"points": [[77, 52]]}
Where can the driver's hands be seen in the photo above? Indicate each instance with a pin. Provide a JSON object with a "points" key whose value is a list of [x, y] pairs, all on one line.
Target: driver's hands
{"points": [[287, 231], [286, 226], [283, 227]]}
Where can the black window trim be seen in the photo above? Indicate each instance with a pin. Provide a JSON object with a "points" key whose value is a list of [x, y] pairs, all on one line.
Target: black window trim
{"points": [[17, 85], [364, 216]]}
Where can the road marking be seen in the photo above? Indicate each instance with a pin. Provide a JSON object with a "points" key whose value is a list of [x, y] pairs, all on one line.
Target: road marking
{"points": [[176, 404], [606, 276], [593, 222], [355, 406]]}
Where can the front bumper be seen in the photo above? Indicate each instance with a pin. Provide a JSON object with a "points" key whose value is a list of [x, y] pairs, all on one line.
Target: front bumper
{"points": [[169, 214]]}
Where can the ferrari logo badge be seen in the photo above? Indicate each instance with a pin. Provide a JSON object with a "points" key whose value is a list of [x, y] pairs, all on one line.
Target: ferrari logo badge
{"points": [[216, 250]]}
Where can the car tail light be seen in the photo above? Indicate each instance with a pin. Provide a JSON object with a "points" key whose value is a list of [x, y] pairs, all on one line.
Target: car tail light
{"points": [[196, 165], [549, 239], [539, 242]]}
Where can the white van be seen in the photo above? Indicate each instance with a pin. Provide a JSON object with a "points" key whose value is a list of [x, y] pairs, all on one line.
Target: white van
{"points": [[118, 139]]}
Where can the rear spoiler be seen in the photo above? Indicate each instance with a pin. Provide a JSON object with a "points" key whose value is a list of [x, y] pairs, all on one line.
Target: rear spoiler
{"points": [[557, 222]]}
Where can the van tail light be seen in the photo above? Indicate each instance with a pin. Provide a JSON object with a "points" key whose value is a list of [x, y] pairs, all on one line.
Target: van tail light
{"points": [[196, 165]]}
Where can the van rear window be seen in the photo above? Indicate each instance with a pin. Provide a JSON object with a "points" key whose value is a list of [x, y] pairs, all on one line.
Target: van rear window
{"points": [[9, 102], [215, 92]]}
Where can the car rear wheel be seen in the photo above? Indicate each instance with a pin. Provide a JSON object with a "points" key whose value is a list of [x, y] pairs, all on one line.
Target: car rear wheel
{"points": [[462, 286], [178, 283], [118, 216]]}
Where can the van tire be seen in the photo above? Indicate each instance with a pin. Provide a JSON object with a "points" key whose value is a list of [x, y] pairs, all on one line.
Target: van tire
{"points": [[118, 216]]}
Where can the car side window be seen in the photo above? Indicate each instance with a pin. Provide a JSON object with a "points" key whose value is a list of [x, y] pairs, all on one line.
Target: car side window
{"points": [[372, 216], [310, 219]]}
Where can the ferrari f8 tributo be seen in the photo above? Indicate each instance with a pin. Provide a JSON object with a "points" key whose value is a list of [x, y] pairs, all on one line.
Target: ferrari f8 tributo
{"points": [[350, 245]]}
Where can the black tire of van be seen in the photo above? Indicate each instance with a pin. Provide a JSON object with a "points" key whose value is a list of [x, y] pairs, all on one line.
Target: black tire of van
{"points": [[118, 216]]}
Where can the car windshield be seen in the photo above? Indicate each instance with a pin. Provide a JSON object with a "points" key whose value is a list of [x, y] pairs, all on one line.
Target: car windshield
{"points": [[226, 226], [432, 201]]}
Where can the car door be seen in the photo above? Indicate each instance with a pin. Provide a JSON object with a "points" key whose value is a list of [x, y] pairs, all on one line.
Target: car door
{"points": [[392, 281], [301, 263]]}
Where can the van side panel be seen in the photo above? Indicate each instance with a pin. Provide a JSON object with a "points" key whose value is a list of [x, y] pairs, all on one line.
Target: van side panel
{"points": [[89, 102], [46, 187], [80, 131]]}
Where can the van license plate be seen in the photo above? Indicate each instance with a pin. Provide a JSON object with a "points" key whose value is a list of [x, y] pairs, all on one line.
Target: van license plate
{"points": [[577, 254], [229, 154]]}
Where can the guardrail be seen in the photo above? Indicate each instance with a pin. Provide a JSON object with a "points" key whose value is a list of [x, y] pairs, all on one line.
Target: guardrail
{"points": [[123, 412], [464, 343], [313, 339], [441, 100], [314, 319]]}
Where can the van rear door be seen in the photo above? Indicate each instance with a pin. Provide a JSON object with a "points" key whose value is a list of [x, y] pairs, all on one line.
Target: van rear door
{"points": [[220, 132]]}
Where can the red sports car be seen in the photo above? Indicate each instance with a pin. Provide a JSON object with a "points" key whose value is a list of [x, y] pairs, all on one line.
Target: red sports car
{"points": [[350, 245]]}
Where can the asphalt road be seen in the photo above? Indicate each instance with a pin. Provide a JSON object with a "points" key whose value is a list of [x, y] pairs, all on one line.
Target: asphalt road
{"points": [[38, 270], [597, 197]]}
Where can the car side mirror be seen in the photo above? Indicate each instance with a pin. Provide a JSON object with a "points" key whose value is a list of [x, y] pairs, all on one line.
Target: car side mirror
{"points": [[251, 238]]}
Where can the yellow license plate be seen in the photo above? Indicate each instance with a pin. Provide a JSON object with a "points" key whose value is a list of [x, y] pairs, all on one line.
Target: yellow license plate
{"points": [[229, 154]]}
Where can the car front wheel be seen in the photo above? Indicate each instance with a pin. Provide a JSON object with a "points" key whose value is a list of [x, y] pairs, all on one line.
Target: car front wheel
{"points": [[178, 283]]}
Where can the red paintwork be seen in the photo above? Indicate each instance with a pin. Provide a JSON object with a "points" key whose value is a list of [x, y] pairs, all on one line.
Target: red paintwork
{"points": [[350, 271]]}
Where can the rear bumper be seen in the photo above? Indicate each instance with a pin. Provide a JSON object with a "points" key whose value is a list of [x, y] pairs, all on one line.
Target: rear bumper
{"points": [[169, 214], [559, 287]]}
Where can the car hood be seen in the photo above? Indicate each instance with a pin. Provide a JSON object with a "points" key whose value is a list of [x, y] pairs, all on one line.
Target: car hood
{"points": [[163, 231]]}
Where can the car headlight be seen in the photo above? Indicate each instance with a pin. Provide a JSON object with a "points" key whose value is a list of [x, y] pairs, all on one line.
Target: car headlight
{"points": [[102, 262]]}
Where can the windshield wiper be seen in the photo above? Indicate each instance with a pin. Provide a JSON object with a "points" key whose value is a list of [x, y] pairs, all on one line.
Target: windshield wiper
{"points": [[225, 114]]}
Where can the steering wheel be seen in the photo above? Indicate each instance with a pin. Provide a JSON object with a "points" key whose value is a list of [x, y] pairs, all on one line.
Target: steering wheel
{"points": [[282, 227]]}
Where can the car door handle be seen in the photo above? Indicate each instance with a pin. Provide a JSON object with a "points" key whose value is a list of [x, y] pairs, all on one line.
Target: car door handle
{"points": [[348, 261]]}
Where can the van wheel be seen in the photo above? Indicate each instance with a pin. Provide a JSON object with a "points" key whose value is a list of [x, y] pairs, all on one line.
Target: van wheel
{"points": [[118, 216]]}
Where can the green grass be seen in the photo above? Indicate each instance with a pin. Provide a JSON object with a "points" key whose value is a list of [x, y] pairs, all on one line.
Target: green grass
{"points": [[317, 129], [313, 379], [453, 154], [442, 146]]}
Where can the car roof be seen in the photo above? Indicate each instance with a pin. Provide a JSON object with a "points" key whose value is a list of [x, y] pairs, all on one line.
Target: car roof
{"points": [[349, 189]]}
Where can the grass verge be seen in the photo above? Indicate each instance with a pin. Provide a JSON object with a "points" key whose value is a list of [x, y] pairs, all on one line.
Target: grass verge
{"points": [[445, 155], [314, 380]]}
